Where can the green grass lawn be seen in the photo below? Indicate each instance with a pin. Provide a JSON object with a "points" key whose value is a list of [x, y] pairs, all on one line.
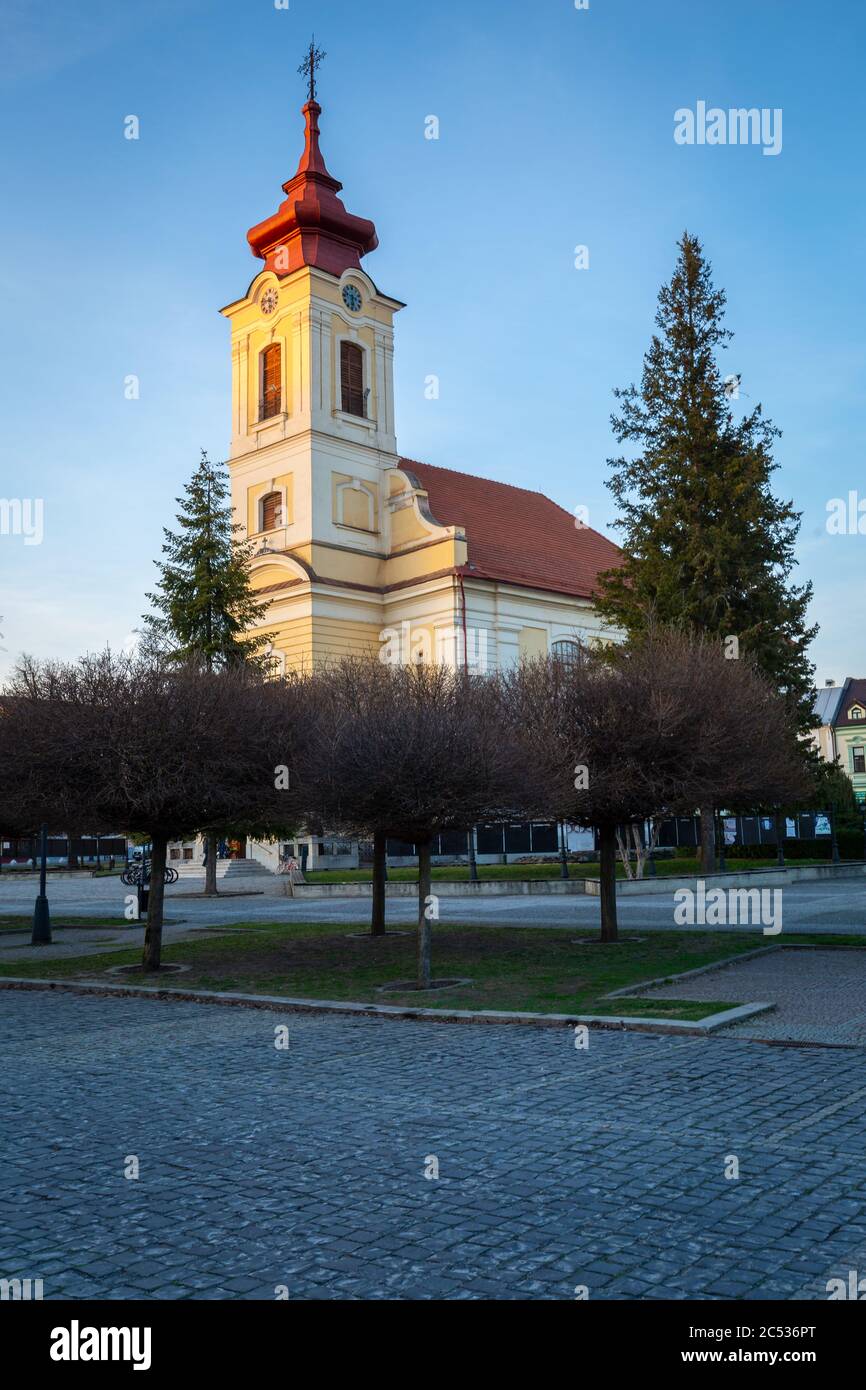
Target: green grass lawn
{"points": [[24, 921], [458, 873], [509, 968]]}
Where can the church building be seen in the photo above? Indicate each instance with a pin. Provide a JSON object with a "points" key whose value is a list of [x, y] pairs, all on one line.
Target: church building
{"points": [[358, 548]]}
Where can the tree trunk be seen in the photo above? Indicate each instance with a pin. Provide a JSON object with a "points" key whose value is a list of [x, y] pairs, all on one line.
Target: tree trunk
{"points": [[210, 868], [708, 841], [780, 839], [380, 845], [71, 856], [623, 851], [153, 930], [607, 885], [423, 918]]}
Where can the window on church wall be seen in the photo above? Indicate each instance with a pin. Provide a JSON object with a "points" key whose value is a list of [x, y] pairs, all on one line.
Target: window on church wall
{"points": [[566, 649], [271, 511], [354, 400], [271, 383]]}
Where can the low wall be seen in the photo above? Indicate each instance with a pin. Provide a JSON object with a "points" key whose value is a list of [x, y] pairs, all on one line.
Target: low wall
{"points": [[560, 887], [749, 878], [488, 888]]}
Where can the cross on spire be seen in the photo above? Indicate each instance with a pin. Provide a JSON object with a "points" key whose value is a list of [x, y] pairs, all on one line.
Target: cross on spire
{"points": [[309, 65]]}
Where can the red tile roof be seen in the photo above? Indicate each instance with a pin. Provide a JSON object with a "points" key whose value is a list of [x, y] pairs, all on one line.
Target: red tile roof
{"points": [[515, 535]]}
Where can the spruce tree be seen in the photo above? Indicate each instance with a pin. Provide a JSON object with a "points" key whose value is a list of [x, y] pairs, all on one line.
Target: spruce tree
{"points": [[707, 543], [204, 603]]}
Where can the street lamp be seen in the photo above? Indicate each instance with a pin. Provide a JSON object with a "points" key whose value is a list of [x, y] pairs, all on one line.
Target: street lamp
{"points": [[143, 883], [834, 843], [723, 863], [41, 934], [651, 861], [473, 862]]}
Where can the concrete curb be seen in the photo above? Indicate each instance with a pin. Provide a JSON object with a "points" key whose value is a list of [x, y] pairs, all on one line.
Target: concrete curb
{"points": [[695, 1028], [698, 970]]}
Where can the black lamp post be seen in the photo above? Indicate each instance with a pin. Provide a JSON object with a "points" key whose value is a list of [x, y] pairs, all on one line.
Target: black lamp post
{"points": [[834, 843], [41, 934], [473, 862], [650, 861], [143, 882], [563, 852], [723, 863]]}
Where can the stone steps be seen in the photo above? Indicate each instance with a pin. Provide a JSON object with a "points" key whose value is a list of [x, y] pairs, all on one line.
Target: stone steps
{"points": [[226, 868]]}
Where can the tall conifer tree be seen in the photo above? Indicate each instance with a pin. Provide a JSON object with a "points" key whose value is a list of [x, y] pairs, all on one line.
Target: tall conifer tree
{"points": [[204, 603], [707, 543]]}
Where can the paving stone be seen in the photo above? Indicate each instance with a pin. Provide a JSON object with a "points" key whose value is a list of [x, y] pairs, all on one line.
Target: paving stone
{"points": [[603, 1168], [820, 996]]}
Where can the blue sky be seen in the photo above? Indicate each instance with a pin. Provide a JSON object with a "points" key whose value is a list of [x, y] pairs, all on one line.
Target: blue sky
{"points": [[556, 129]]}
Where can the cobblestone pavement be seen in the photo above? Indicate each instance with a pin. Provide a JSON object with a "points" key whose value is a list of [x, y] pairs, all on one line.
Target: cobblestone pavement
{"points": [[812, 906], [820, 996], [558, 1167]]}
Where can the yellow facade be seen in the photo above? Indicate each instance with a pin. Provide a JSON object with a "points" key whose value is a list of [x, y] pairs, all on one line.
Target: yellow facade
{"points": [[350, 525], [347, 551]]}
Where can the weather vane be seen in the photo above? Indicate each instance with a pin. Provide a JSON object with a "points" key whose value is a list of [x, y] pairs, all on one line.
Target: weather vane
{"points": [[309, 65]]}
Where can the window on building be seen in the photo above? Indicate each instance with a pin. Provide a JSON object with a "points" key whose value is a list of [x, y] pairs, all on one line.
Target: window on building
{"points": [[566, 649], [856, 712], [352, 378], [187, 852], [272, 390], [271, 507], [859, 755]]}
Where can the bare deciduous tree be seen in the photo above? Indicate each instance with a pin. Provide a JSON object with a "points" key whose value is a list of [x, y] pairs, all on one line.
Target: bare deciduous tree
{"points": [[652, 729], [408, 751], [131, 743]]}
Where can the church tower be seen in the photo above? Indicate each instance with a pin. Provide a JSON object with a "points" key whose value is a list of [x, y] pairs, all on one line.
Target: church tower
{"points": [[313, 415], [356, 548]]}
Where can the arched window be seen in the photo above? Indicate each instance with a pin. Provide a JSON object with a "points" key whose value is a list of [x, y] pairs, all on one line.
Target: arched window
{"points": [[272, 389], [566, 649], [352, 378], [271, 511]]}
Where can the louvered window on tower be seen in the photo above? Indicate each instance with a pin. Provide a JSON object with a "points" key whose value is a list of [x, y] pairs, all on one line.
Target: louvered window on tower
{"points": [[352, 378], [272, 392], [272, 511]]}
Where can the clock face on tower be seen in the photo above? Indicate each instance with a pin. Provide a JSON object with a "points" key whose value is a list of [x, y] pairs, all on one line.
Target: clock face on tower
{"points": [[269, 300], [352, 298]]}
